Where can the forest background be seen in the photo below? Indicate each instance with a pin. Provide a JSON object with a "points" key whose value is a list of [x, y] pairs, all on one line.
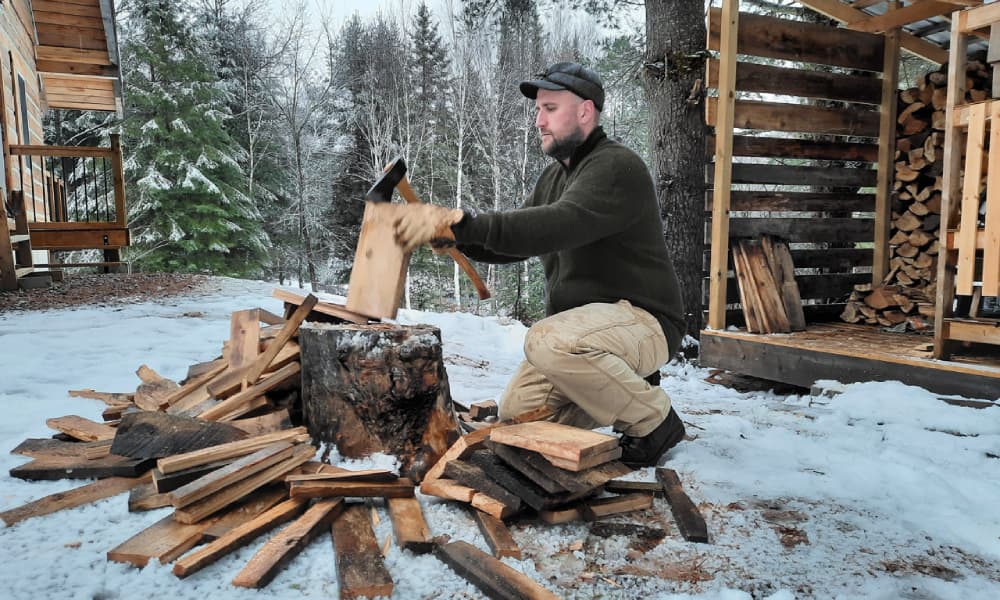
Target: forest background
{"points": [[252, 131]]}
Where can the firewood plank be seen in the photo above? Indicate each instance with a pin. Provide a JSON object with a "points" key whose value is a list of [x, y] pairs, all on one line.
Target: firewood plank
{"points": [[154, 390], [207, 506], [149, 434], [109, 398], [230, 450], [49, 468], [689, 520], [145, 497], [409, 525], [241, 469], [619, 486], [401, 488], [85, 494], [373, 475], [168, 482], [498, 537], [514, 482], [81, 429], [51, 448], [555, 439], [474, 477], [238, 536], [588, 462], [602, 507], [234, 402], [448, 489], [269, 423], [492, 577], [244, 338], [361, 570]]}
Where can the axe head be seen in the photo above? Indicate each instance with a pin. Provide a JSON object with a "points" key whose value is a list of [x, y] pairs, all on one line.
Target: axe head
{"points": [[381, 190]]}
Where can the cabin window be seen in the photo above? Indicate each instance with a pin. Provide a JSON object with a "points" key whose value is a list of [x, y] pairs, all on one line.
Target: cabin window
{"points": [[22, 104]]}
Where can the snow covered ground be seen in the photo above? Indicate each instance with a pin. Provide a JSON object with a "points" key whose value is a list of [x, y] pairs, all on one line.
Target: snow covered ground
{"points": [[883, 491]]}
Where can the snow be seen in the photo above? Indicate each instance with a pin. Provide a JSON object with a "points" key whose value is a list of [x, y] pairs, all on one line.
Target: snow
{"points": [[881, 491]]}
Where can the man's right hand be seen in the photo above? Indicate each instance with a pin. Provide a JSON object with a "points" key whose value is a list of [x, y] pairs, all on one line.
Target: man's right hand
{"points": [[419, 224]]}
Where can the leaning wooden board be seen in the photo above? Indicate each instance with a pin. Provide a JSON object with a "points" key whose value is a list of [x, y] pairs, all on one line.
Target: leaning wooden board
{"points": [[555, 440]]}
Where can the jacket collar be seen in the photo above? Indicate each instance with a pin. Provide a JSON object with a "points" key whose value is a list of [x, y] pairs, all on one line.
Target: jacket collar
{"points": [[585, 148]]}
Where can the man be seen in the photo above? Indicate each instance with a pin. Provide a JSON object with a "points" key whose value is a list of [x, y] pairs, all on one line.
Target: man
{"points": [[613, 306]]}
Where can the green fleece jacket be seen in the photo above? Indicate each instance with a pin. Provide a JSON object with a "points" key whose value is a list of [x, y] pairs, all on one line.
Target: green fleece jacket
{"points": [[596, 227]]}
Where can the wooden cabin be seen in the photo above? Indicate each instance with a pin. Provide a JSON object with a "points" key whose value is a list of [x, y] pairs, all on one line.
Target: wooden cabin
{"points": [[805, 149], [57, 54]]}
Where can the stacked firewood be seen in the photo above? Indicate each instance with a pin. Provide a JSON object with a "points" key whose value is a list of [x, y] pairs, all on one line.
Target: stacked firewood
{"points": [[905, 299]]}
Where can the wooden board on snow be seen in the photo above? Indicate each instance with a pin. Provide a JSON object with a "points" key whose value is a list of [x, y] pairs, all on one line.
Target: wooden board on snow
{"points": [[555, 440]]}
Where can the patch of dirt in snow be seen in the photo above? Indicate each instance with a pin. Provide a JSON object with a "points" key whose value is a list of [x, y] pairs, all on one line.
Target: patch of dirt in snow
{"points": [[89, 289]]}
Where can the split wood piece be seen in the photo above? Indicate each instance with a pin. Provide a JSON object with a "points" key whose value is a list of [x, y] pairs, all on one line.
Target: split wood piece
{"points": [[401, 488], [491, 506], [212, 504], [489, 574], [519, 485], [60, 467], [557, 516], [469, 442], [167, 539], [51, 448], [329, 309], [154, 389], [168, 482], [618, 486], [231, 382], [194, 391], [85, 494], [255, 504], [269, 423], [198, 369], [229, 451], [98, 449], [234, 403], [150, 434], [235, 379], [536, 467], [244, 338], [109, 398], [448, 489], [361, 571], [747, 290], [474, 477], [770, 305], [498, 537], [269, 317], [376, 475], [81, 429], [287, 544], [779, 259], [689, 520], [145, 497], [585, 463], [481, 410], [114, 412], [602, 507], [238, 536], [409, 526], [230, 474], [555, 440]]}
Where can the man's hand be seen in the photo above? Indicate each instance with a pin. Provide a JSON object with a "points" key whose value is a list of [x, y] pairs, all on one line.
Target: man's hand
{"points": [[419, 224]]}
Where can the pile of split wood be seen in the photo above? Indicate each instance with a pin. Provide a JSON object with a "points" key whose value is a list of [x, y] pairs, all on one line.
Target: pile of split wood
{"points": [[905, 299], [222, 449], [769, 293]]}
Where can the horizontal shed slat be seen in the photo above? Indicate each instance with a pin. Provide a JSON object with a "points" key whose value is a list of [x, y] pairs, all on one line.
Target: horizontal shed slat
{"points": [[794, 175], [811, 287], [44, 17], [752, 77], [795, 201], [799, 41], [839, 230], [814, 313], [800, 118], [837, 259], [772, 147]]}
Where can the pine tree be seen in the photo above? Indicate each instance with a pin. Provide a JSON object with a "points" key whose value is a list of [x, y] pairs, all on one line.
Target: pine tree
{"points": [[189, 209]]}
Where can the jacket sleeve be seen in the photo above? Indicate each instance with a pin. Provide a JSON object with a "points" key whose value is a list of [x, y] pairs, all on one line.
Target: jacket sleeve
{"points": [[600, 201]]}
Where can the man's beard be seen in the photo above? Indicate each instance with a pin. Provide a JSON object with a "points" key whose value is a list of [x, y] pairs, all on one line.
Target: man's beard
{"points": [[562, 149]]}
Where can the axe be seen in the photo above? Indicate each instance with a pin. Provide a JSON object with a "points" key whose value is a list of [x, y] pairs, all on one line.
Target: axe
{"points": [[395, 178]]}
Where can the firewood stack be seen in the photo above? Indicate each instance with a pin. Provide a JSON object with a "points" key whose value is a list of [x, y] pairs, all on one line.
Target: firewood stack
{"points": [[905, 299]]}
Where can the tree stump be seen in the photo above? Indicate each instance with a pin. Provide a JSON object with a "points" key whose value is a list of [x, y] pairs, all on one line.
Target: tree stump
{"points": [[378, 388]]}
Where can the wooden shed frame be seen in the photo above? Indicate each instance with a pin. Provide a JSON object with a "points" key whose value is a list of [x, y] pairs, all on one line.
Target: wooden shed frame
{"points": [[826, 350]]}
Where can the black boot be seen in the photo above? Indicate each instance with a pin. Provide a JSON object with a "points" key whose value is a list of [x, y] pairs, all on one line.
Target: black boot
{"points": [[638, 452]]}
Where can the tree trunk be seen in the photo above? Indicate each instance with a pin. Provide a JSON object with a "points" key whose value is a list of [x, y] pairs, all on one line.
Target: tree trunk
{"points": [[675, 41], [378, 388]]}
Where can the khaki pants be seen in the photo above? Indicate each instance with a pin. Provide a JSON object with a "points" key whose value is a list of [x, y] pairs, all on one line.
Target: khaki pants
{"points": [[588, 364]]}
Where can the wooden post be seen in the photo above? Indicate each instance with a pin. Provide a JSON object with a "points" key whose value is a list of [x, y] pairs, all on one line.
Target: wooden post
{"points": [[719, 269], [886, 152], [121, 218], [378, 388], [950, 190]]}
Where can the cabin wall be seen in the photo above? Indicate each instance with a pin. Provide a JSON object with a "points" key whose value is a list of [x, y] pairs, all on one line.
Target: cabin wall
{"points": [[805, 151], [22, 118]]}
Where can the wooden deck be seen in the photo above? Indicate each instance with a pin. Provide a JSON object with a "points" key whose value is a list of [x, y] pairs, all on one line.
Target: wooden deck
{"points": [[850, 353]]}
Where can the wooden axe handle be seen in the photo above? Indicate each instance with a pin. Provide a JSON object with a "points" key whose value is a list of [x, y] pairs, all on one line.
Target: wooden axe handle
{"points": [[406, 191]]}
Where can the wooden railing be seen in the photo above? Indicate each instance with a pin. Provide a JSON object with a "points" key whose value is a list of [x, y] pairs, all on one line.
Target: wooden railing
{"points": [[70, 184]]}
